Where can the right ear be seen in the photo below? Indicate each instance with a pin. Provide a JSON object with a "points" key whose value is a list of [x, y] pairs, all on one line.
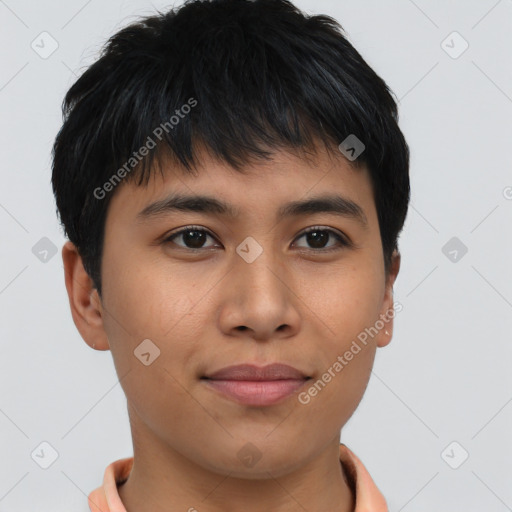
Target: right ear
{"points": [[84, 300]]}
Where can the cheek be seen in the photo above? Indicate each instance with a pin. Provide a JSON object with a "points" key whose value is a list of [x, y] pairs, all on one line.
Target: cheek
{"points": [[146, 298], [334, 394], [150, 305], [348, 305], [346, 302]]}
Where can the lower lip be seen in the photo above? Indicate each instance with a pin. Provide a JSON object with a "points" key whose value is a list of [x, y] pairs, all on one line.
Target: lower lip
{"points": [[266, 392]]}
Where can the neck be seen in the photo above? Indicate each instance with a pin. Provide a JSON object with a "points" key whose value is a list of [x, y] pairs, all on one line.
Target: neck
{"points": [[162, 477]]}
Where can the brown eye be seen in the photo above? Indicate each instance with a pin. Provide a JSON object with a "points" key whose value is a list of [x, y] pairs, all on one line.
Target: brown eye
{"points": [[318, 238], [192, 238]]}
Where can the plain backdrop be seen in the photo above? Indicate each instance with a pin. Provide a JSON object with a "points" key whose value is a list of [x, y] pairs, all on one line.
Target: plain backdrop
{"points": [[433, 428]]}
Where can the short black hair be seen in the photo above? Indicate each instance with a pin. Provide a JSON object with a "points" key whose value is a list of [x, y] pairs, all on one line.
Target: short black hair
{"points": [[241, 78]]}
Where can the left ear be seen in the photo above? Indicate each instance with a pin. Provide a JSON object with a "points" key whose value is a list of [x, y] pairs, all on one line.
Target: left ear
{"points": [[387, 312]]}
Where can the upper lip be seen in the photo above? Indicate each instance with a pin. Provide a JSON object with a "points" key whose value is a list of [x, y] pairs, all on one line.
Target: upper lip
{"points": [[250, 372]]}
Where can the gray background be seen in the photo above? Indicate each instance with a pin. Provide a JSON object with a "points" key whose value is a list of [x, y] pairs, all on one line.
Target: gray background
{"points": [[445, 376]]}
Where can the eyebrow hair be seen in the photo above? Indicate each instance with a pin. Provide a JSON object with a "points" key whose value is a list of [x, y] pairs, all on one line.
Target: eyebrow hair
{"points": [[331, 203]]}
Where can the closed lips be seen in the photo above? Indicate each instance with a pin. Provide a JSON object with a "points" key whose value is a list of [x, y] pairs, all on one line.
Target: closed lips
{"points": [[256, 386], [249, 372]]}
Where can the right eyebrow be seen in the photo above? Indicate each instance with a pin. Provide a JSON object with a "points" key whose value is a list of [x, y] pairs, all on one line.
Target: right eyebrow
{"points": [[181, 202]]}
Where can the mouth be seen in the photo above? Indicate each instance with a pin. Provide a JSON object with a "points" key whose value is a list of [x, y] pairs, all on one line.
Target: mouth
{"points": [[257, 386]]}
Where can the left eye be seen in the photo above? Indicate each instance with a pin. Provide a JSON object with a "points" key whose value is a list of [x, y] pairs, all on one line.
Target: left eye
{"points": [[318, 238]]}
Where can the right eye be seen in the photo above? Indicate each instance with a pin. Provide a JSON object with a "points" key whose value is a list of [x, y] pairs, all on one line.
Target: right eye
{"points": [[193, 237]]}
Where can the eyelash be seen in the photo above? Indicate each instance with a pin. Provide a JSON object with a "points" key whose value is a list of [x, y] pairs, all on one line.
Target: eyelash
{"points": [[342, 241]]}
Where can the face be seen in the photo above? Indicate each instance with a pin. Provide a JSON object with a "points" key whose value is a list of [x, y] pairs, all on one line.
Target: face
{"points": [[211, 291]]}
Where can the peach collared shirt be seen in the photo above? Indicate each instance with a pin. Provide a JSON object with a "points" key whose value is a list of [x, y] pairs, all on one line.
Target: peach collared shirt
{"points": [[368, 497]]}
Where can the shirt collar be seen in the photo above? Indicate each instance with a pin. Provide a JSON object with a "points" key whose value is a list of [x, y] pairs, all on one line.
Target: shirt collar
{"points": [[368, 498]]}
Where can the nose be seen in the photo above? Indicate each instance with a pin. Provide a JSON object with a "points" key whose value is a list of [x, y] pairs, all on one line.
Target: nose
{"points": [[260, 301]]}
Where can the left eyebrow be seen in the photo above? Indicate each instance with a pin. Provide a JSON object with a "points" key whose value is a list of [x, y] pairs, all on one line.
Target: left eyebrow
{"points": [[334, 204]]}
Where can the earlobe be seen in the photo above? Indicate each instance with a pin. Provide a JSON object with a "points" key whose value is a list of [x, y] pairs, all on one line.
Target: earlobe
{"points": [[84, 301], [387, 313]]}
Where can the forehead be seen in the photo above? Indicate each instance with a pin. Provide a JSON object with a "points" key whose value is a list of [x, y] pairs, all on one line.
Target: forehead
{"points": [[262, 188]]}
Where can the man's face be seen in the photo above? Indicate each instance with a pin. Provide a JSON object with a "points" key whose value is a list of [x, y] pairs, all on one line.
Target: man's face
{"points": [[252, 289]]}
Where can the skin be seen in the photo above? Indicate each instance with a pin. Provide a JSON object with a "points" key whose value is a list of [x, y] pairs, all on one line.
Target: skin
{"points": [[299, 304]]}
